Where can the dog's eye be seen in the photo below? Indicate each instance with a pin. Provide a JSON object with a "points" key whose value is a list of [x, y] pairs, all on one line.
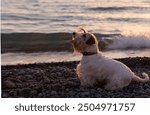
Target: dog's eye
{"points": [[84, 35]]}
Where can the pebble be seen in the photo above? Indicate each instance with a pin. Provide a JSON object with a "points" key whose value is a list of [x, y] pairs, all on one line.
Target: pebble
{"points": [[19, 85], [4, 95], [21, 78], [67, 89], [40, 95], [85, 93], [46, 79], [33, 92], [9, 84], [52, 74], [21, 72], [99, 89], [29, 76], [26, 92], [72, 93], [56, 87], [53, 92]]}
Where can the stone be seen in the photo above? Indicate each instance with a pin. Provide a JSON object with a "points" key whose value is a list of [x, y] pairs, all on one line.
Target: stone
{"points": [[9, 84], [46, 79], [40, 95], [25, 92], [29, 76], [4, 95], [33, 92], [53, 93]]}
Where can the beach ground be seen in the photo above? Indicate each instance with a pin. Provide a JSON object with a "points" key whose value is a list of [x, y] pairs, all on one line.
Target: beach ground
{"points": [[59, 80]]}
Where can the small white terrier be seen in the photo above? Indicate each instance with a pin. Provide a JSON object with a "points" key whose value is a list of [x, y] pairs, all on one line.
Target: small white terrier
{"points": [[96, 69]]}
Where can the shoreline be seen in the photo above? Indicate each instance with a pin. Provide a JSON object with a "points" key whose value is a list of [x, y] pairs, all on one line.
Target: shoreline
{"points": [[59, 80]]}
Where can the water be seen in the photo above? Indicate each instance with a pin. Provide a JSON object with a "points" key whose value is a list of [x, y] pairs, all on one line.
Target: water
{"points": [[101, 16], [119, 47], [46, 57], [126, 17]]}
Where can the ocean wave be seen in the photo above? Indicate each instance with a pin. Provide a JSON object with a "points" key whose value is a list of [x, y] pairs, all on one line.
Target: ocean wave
{"points": [[133, 20], [8, 16], [129, 42], [119, 8]]}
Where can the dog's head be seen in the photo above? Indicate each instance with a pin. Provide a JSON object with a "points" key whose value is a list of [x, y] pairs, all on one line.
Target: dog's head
{"points": [[84, 41]]}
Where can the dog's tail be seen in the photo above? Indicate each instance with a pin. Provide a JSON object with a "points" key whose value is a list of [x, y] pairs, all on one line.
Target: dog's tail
{"points": [[138, 79]]}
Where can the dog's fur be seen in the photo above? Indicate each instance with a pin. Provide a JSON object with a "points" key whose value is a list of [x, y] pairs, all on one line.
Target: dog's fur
{"points": [[96, 69]]}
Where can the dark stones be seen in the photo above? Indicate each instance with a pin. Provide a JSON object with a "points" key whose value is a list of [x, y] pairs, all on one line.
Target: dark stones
{"points": [[53, 80]]}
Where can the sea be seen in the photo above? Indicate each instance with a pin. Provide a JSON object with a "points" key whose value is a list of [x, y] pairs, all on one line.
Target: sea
{"points": [[129, 18]]}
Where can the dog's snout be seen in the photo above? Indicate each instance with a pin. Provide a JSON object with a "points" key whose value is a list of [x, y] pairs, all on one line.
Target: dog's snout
{"points": [[74, 33]]}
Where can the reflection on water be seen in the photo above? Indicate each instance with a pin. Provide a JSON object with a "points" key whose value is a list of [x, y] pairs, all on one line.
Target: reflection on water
{"points": [[105, 16], [26, 58]]}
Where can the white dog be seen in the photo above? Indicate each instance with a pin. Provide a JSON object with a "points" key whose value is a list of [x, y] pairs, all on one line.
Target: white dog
{"points": [[96, 69]]}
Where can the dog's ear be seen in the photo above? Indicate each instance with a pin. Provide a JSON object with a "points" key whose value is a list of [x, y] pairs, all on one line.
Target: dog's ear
{"points": [[90, 41], [84, 30]]}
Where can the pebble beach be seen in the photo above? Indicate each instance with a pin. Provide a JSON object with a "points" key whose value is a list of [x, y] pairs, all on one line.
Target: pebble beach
{"points": [[59, 80]]}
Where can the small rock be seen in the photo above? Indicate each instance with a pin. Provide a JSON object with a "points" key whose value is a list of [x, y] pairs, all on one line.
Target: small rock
{"points": [[21, 78], [99, 89], [72, 93], [33, 92], [147, 90], [26, 92], [52, 75], [47, 92], [39, 88], [85, 93], [67, 89], [29, 76], [19, 85], [40, 95], [4, 95], [46, 79], [77, 96], [21, 72], [9, 84], [56, 86], [58, 74], [53, 92], [13, 93], [82, 89], [6, 73]]}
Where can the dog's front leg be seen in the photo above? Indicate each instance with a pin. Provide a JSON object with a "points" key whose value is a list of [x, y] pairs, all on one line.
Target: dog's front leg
{"points": [[86, 81]]}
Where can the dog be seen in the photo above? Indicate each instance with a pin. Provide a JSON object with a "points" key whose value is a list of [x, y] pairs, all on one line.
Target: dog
{"points": [[95, 69]]}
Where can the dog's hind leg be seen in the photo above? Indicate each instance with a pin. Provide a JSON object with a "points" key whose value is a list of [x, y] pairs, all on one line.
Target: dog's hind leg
{"points": [[117, 83]]}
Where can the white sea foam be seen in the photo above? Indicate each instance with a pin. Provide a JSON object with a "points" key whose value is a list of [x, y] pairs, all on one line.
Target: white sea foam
{"points": [[130, 42]]}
